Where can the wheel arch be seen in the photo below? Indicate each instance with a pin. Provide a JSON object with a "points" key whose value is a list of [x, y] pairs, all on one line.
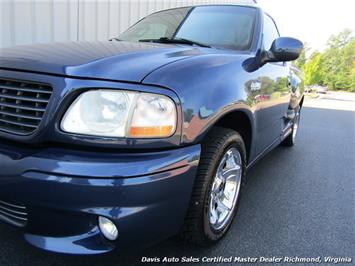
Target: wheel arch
{"points": [[240, 120]]}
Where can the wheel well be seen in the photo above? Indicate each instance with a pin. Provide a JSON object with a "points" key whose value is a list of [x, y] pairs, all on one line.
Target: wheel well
{"points": [[239, 122]]}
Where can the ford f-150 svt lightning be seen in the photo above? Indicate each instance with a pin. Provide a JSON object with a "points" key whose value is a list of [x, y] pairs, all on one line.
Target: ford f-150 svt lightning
{"points": [[113, 144]]}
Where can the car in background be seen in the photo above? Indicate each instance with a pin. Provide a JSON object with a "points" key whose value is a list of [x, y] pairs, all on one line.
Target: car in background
{"points": [[123, 143], [308, 89], [316, 89], [321, 89]]}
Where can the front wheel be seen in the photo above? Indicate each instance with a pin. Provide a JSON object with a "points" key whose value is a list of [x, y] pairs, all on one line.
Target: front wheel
{"points": [[218, 184], [290, 140]]}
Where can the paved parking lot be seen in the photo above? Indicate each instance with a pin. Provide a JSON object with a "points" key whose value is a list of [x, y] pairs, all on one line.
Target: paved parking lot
{"points": [[299, 201]]}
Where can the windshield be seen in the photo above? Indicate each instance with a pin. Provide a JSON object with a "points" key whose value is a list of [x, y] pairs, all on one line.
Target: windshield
{"points": [[228, 27]]}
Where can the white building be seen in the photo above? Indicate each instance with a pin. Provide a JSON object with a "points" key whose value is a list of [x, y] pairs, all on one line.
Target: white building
{"points": [[41, 21]]}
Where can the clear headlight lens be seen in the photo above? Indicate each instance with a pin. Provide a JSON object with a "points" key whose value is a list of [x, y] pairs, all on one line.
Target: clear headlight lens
{"points": [[117, 113]]}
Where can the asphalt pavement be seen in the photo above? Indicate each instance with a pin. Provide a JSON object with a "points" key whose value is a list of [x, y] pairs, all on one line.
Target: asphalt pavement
{"points": [[299, 201]]}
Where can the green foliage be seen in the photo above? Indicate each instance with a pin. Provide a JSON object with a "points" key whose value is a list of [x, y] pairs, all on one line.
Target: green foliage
{"points": [[302, 59], [335, 67], [313, 72]]}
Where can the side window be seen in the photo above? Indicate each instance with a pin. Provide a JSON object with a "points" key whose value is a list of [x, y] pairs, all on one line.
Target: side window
{"points": [[270, 32]]}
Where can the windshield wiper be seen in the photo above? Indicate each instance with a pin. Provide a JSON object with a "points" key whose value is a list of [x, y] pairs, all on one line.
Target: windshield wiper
{"points": [[175, 40], [115, 39]]}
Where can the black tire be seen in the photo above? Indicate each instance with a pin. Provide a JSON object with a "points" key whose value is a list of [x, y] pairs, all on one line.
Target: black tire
{"points": [[197, 227], [290, 140]]}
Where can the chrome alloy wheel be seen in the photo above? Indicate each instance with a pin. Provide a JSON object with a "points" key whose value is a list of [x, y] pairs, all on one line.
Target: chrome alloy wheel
{"points": [[225, 189], [295, 127]]}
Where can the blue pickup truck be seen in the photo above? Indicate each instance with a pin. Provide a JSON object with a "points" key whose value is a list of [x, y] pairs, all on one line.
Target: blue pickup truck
{"points": [[121, 143]]}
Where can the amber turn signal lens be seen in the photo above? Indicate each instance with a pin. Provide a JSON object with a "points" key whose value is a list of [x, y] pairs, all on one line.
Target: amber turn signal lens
{"points": [[151, 132]]}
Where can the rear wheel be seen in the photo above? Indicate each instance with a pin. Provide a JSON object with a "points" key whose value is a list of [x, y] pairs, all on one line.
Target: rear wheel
{"points": [[218, 184]]}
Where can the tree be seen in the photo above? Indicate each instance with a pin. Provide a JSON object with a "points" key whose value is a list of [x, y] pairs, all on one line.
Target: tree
{"points": [[339, 59], [340, 40], [335, 67], [313, 73], [302, 59]]}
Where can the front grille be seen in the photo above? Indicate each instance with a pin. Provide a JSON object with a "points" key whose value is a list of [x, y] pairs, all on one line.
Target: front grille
{"points": [[13, 213], [22, 105]]}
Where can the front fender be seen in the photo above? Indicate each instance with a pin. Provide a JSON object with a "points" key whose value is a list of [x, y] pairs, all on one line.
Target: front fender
{"points": [[209, 86]]}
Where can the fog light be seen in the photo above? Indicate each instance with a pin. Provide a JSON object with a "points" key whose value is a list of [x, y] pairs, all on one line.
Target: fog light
{"points": [[108, 228]]}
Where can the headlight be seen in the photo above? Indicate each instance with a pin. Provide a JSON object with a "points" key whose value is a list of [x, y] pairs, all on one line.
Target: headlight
{"points": [[117, 113]]}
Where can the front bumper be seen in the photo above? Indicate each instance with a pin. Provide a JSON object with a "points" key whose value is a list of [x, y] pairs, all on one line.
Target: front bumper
{"points": [[64, 191]]}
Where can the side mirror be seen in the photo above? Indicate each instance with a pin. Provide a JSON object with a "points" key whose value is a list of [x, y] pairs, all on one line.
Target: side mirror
{"points": [[284, 49]]}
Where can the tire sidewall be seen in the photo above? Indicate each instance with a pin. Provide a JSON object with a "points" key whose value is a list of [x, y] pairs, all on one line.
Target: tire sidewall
{"points": [[233, 141]]}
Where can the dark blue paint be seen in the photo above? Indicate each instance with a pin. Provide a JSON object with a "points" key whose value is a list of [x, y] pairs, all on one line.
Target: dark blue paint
{"points": [[144, 185], [124, 61], [145, 194], [88, 243]]}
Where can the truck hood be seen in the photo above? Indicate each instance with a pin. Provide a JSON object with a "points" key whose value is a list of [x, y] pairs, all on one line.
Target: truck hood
{"points": [[112, 60]]}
